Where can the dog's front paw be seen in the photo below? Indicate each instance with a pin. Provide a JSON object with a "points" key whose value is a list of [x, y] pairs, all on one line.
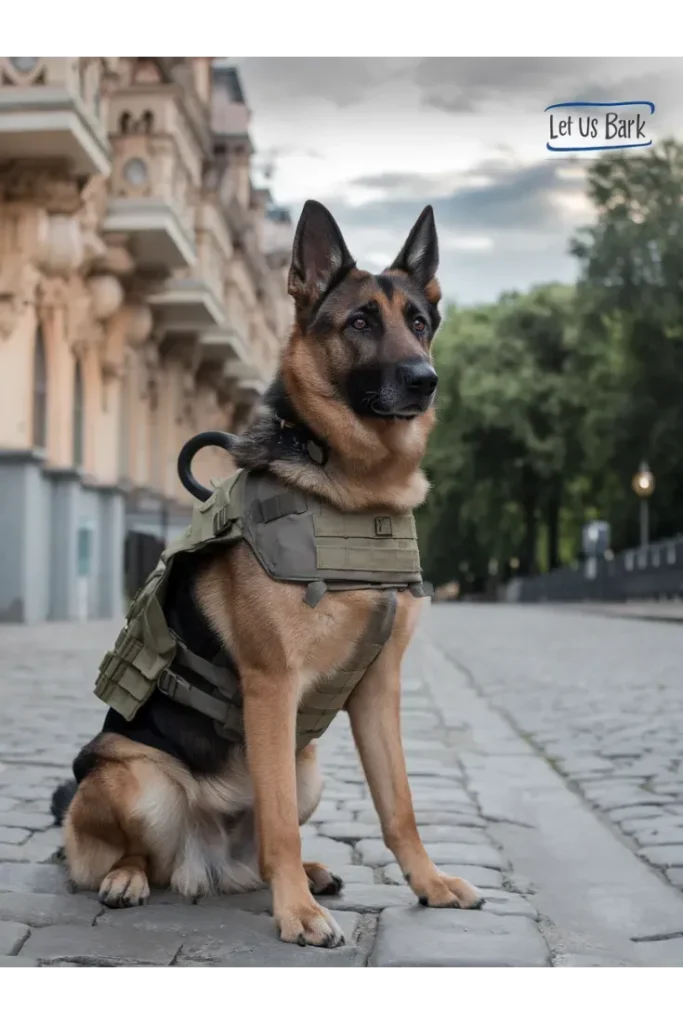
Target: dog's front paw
{"points": [[309, 925], [443, 891], [124, 887]]}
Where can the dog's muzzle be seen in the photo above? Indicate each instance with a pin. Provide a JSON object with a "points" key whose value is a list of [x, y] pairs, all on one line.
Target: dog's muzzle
{"points": [[394, 391]]}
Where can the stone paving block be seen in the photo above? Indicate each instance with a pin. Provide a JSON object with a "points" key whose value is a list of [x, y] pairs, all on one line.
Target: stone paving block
{"points": [[591, 959], [675, 876], [13, 836], [20, 818], [624, 814], [451, 834], [422, 937], [659, 835], [12, 937], [40, 848], [445, 769], [453, 816], [17, 961], [376, 854], [17, 854], [663, 953], [350, 831], [664, 856], [283, 955], [41, 909], [62, 965], [351, 873], [443, 800], [6, 804], [436, 786], [329, 852], [101, 946], [488, 877], [251, 940], [498, 901], [326, 810], [369, 898], [364, 805], [48, 878]]}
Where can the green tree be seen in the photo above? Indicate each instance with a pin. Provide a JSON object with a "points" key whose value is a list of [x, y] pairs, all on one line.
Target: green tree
{"points": [[631, 295]]}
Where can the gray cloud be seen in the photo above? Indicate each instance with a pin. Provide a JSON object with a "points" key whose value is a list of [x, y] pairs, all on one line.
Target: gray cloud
{"points": [[514, 229], [466, 84], [343, 81], [519, 198], [458, 85]]}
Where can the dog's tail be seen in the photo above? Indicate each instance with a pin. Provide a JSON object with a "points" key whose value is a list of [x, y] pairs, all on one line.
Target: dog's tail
{"points": [[61, 799], [219, 439]]}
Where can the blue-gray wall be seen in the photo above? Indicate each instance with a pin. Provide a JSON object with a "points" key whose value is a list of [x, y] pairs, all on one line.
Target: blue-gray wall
{"points": [[45, 573]]}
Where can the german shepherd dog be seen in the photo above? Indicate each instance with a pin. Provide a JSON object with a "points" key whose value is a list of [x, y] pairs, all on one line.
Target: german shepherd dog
{"points": [[163, 799]]}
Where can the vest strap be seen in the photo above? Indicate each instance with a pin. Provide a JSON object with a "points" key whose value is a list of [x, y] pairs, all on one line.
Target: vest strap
{"points": [[178, 689], [322, 704], [278, 506], [221, 676]]}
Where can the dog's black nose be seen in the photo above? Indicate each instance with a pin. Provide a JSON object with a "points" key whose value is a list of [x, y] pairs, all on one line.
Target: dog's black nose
{"points": [[420, 378]]}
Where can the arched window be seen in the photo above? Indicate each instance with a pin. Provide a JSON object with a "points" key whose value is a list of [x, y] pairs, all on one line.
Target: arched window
{"points": [[39, 392], [78, 416]]}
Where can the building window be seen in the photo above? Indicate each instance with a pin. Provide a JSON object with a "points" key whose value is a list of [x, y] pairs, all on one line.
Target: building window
{"points": [[78, 416], [39, 392]]}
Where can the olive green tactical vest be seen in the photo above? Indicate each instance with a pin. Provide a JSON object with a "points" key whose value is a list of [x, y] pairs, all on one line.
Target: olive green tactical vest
{"points": [[297, 538]]}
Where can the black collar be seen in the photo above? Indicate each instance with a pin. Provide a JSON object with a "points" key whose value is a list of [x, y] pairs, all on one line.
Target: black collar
{"points": [[293, 438], [296, 438]]}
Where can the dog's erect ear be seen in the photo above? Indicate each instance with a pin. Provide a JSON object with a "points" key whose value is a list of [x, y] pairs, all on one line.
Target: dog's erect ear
{"points": [[319, 255], [419, 257]]}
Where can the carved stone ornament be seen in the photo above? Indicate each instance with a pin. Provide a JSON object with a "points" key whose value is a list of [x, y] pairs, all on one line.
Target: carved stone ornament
{"points": [[61, 249], [106, 294]]}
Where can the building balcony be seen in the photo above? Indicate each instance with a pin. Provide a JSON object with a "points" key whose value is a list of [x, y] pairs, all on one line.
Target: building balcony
{"points": [[224, 347], [50, 110], [157, 235], [152, 194], [185, 305]]}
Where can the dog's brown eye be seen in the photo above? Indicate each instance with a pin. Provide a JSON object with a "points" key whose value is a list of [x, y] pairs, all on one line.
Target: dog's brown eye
{"points": [[419, 324], [360, 323]]}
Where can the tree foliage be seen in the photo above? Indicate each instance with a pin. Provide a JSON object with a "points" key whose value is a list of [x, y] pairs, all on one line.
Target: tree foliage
{"points": [[549, 400]]}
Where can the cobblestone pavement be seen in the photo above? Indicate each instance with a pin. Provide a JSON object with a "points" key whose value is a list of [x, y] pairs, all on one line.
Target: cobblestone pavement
{"points": [[601, 697]]}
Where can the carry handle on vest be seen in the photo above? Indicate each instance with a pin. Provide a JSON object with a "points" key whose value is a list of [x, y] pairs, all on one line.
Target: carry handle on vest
{"points": [[218, 438]]}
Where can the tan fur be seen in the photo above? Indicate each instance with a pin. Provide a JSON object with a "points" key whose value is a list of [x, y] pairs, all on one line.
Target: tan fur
{"points": [[141, 817]]}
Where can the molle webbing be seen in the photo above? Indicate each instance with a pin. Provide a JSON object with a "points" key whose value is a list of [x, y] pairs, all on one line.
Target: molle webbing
{"points": [[298, 537], [358, 542]]}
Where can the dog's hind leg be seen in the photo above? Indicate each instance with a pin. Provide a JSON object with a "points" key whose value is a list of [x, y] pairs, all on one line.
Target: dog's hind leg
{"points": [[309, 787], [117, 831]]}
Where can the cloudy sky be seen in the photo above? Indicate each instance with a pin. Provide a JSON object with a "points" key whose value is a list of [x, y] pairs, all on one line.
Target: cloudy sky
{"points": [[377, 139]]}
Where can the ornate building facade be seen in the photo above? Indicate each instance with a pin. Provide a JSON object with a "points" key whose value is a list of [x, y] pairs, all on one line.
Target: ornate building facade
{"points": [[142, 299]]}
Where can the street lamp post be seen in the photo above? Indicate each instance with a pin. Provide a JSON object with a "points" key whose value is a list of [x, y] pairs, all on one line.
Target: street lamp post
{"points": [[643, 485]]}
